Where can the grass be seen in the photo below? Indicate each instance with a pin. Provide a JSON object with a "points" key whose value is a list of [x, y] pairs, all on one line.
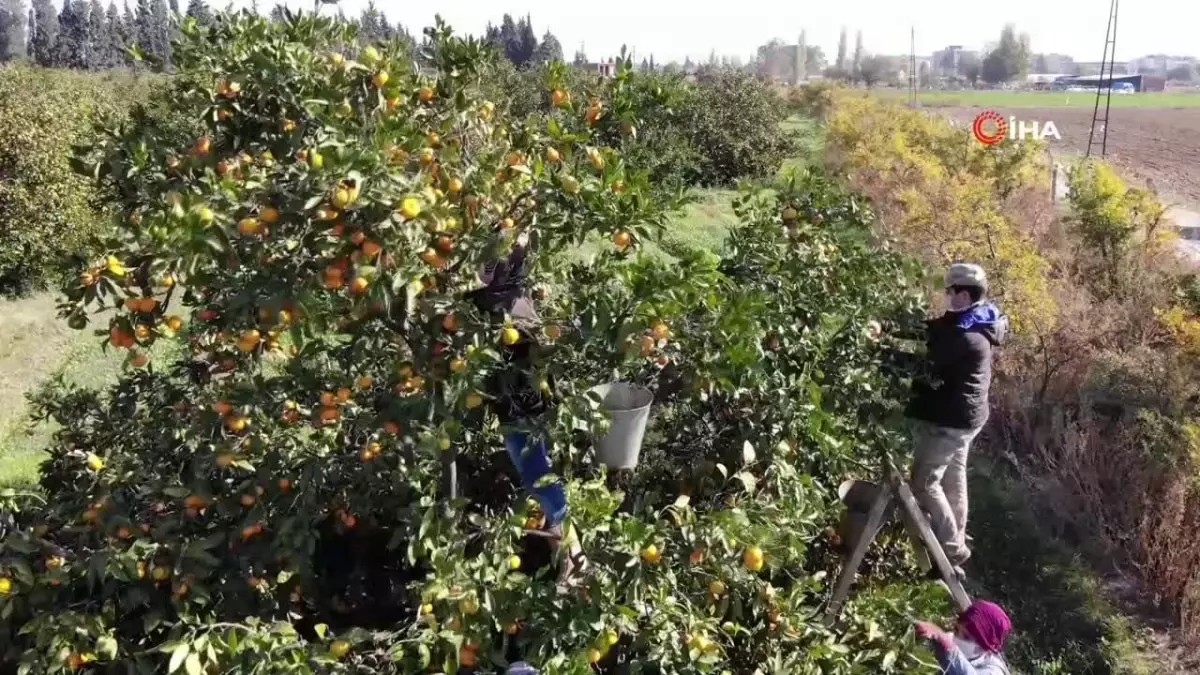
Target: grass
{"points": [[35, 346], [1045, 99]]}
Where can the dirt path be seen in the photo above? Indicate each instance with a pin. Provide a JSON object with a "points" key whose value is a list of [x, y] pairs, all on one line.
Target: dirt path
{"points": [[1160, 642]]}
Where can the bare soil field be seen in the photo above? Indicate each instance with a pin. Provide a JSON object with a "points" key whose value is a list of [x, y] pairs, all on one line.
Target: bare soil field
{"points": [[1155, 147]]}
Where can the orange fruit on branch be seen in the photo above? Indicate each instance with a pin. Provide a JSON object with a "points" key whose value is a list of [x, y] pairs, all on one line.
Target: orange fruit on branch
{"points": [[651, 555], [249, 226], [752, 558], [410, 207], [339, 648], [621, 239], [660, 331]]}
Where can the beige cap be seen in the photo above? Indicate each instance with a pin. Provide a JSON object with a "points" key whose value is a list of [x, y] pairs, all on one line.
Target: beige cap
{"points": [[966, 274]]}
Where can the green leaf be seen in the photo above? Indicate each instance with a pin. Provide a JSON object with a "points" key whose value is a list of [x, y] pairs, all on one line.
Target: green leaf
{"points": [[177, 657], [748, 454], [748, 480], [192, 665], [106, 647], [320, 629]]}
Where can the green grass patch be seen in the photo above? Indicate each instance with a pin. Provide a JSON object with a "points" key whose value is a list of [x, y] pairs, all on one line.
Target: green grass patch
{"points": [[38, 346], [23, 441], [1043, 99]]}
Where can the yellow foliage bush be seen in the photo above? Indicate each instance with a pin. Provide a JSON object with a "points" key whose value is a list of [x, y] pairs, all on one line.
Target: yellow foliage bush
{"points": [[942, 195], [1118, 226], [1183, 327]]}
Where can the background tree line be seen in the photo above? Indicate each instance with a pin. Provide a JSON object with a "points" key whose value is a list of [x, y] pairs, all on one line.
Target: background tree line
{"points": [[85, 35], [519, 43]]}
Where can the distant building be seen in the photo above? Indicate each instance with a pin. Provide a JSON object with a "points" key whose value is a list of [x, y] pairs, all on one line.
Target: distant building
{"points": [[948, 62], [1053, 63], [1093, 68], [1158, 64], [604, 69]]}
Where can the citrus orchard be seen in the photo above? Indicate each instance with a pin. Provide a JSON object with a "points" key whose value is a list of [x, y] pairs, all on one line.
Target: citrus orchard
{"points": [[306, 437]]}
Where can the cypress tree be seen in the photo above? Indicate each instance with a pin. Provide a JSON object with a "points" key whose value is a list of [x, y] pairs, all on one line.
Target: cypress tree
{"points": [[370, 28], [198, 10], [549, 50], [6, 21], [99, 38], [70, 45], [510, 38], [161, 22], [144, 31], [12, 29], [116, 36], [129, 32], [174, 16], [42, 42], [527, 42]]}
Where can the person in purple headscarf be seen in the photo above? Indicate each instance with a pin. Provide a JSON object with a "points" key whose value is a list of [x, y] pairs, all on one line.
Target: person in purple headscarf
{"points": [[977, 643]]}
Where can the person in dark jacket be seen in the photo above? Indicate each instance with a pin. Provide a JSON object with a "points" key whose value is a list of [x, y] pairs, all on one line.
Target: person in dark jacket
{"points": [[951, 406], [519, 402]]}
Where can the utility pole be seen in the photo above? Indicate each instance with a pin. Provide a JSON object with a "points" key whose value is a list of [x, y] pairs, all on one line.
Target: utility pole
{"points": [[1109, 59], [912, 69]]}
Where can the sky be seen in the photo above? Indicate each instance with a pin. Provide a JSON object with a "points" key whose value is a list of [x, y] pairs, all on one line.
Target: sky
{"points": [[675, 29]]}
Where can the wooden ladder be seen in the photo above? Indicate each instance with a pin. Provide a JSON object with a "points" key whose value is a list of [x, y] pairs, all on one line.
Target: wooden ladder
{"points": [[895, 489]]}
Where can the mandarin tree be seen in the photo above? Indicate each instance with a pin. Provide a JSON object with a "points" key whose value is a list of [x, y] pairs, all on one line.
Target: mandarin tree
{"points": [[315, 484]]}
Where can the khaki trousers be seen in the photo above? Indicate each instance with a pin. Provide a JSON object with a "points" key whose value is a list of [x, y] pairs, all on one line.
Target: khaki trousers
{"points": [[939, 482]]}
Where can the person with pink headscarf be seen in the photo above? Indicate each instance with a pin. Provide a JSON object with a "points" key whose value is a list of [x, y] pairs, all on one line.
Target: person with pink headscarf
{"points": [[976, 645]]}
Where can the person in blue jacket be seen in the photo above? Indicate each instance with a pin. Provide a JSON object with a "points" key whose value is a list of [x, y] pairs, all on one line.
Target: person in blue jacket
{"points": [[976, 646]]}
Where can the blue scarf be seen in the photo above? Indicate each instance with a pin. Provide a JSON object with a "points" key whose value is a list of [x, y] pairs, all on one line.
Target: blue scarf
{"points": [[980, 314]]}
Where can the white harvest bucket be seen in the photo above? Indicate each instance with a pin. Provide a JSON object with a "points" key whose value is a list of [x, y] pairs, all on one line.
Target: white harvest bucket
{"points": [[629, 406]]}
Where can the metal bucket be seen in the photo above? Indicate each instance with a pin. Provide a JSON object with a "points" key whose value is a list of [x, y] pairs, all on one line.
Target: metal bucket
{"points": [[629, 406], [858, 496]]}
